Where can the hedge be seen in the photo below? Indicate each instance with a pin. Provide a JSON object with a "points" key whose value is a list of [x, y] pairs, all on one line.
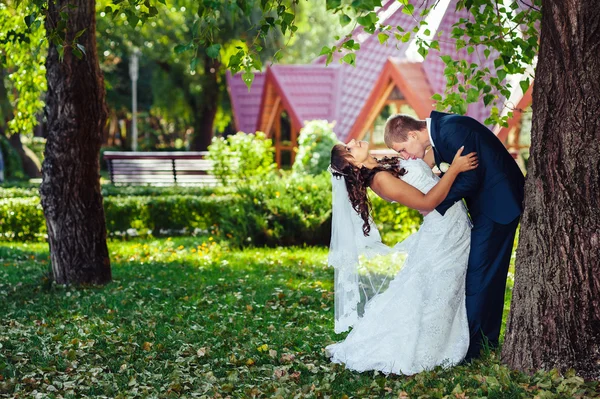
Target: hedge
{"points": [[287, 211]]}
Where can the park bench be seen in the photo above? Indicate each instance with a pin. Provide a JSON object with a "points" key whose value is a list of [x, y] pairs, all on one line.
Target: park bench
{"points": [[159, 168]]}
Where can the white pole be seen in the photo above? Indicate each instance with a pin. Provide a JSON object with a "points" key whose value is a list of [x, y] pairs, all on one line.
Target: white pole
{"points": [[133, 73]]}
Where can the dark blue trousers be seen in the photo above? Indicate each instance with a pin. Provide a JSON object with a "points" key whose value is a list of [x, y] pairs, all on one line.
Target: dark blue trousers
{"points": [[489, 258]]}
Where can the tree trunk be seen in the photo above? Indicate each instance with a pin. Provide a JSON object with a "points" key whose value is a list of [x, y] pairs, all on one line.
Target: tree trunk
{"points": [[205, 121], [70, 190], [555, 314], [30, 161]]}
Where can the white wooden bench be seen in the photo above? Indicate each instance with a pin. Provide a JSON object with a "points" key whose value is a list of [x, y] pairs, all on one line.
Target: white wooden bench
{"points": [[160, 168]]}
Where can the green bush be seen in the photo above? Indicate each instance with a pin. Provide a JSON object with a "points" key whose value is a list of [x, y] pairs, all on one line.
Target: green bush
{"points": [[16, 190], [314, 147], [291, 210], [21, 219], [19, 192], [242, 157], [13, 166], [110, 190], [288, 211]]}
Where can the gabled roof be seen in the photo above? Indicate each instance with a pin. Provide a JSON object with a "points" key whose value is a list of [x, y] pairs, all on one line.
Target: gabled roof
{"points": [[340, 92], [409, 78], [307, 91], [358, 81], [245, 104]]}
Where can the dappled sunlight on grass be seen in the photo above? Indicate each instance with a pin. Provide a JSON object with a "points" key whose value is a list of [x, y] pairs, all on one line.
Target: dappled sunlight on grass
{"points": [[190, 317]]}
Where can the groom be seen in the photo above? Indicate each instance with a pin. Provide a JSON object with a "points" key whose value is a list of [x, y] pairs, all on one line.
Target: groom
{"points": [[494, 196]]}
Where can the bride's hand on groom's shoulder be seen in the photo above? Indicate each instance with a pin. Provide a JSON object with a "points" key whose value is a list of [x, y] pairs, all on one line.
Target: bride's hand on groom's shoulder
{"points": [[464, 163]]}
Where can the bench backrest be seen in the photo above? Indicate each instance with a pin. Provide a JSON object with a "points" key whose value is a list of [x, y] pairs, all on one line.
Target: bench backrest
{"points": [[159, 168]]}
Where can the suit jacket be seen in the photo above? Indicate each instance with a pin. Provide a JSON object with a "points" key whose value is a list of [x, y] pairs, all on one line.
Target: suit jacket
{"points": [[495, 188]]}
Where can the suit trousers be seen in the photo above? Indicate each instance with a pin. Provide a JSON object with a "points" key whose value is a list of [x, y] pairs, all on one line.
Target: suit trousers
{"points": [[489, 258]]}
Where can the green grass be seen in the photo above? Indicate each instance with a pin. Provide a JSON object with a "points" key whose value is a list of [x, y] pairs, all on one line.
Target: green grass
{"points": [[189, 318]]}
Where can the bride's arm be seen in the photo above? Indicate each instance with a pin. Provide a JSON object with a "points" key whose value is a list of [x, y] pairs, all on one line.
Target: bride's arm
{"points": [[391, 188]]}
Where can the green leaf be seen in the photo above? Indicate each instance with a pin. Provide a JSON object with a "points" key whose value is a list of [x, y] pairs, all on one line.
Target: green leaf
{"points": [[382, 38], [349, 44], [447, 59], [77, 53], [180, 48], [132, 19], [61, 52], [486, 52], [248, 78], [332, 4], [256, 62], [329, 59], [408, 9], [193, 63], [524, 85], [78, 34], [436, 97], [501, 73], [349, 59], [472, 95], [344, 20], [29, 19], [213, 50], [487, 99], [325, 50]]}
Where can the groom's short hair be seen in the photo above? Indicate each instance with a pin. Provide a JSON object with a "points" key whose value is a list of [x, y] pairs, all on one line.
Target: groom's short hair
{"points": [[398, 126]]}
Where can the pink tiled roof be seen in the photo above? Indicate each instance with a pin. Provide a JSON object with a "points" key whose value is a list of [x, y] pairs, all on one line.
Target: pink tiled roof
{"points": [[358, 81], [310, 90], [245, 104], [339, 92]]}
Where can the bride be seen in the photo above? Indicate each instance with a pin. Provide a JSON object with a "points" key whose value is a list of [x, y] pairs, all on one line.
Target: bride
{"points": [[420, 320]]}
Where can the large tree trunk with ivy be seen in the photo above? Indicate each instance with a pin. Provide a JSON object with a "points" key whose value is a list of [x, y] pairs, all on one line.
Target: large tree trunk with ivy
{"points": [[555, 313], [70, 189]]}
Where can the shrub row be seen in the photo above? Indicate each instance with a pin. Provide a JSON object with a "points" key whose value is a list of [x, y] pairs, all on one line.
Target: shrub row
{"points": [[28, 190], [288, 211]]}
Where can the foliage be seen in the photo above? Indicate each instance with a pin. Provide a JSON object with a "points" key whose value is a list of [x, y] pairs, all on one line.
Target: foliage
{"points": [[13, 166], [23, 55], [293, 210], [394, 221], [21, 219], [314, 147], [186, 317], [242, 157]]}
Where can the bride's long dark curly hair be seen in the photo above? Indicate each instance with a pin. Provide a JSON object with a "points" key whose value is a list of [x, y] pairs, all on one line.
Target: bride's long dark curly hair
{"points": [[358, 179]]}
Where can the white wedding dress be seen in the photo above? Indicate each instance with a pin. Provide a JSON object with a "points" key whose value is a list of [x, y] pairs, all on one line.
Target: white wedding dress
{"points": [[420, 321]]}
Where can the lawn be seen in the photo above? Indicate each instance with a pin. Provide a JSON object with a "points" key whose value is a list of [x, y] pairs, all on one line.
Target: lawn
{"points": [[187, 317]]}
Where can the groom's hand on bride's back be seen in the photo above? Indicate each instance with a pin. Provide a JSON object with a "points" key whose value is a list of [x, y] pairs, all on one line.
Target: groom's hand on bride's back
{"points": [[464, 163]]}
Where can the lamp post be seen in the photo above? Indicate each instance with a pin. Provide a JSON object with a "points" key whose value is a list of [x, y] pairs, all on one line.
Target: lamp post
{"points": [[133, 73]]}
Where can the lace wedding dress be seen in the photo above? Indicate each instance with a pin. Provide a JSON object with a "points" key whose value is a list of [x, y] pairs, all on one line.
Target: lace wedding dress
{"points": [[420, 321]]}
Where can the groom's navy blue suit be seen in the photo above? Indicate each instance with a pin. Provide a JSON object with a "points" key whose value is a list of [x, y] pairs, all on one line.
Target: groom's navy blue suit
{"points": [[494, 195]]}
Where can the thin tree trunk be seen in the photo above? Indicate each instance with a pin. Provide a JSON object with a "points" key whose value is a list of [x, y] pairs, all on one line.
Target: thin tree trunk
{"points": [[205, 121], [70, 190], [555, 314]]}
